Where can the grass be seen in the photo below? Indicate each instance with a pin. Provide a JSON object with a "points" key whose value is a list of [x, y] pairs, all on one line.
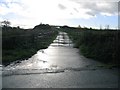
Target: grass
{"points": [[20, 44], [101, 45]]}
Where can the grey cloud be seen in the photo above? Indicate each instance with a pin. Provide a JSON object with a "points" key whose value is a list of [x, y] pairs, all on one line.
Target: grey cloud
{"points": [[71, 13], [76, 10], [90, 13], [111, 8], [61, 6], [94, 1]]}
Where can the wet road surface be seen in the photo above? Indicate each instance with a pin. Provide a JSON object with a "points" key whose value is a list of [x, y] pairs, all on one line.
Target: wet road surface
{"points": [[59, 66]]}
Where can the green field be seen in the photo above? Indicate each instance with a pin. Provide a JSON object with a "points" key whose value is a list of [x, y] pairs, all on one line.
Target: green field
{"points": [[20, 44], [101, 45]]}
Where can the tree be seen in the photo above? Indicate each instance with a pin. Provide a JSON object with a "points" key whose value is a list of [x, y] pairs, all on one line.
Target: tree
{"points": [[100, 27], [18, 27], [6, 23], [90, 28], [107, 27], [79, 26]]}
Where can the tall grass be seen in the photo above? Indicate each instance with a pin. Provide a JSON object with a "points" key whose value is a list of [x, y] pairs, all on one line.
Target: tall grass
{"points": [[19, 44], [102, 45]]}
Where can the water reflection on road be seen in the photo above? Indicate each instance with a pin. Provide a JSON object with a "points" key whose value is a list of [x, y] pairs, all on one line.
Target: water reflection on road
{"points": [[59, 66], [58, 57]]}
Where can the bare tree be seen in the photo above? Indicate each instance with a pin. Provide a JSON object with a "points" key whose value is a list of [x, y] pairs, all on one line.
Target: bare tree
{"points": [[6, 23], [79, 26], [107, 27], [100, 27]]}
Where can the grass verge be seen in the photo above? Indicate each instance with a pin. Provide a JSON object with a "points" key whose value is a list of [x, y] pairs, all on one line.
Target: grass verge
{"points": [[20, 44], [101, 45]]}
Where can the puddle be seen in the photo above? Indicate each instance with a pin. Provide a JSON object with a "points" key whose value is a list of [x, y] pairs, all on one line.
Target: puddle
{"points": [[59, 57]]}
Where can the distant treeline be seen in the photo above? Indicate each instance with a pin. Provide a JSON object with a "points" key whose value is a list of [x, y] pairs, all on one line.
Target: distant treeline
{"points": [[19, 44], [102, 45]]}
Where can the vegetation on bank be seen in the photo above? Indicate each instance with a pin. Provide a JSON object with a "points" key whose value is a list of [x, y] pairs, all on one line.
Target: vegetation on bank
{"points": [[20, 44], [102, 45]]}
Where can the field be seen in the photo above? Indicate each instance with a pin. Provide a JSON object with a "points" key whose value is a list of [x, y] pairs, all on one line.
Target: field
{"points": [[101, 45], [20, 44]]}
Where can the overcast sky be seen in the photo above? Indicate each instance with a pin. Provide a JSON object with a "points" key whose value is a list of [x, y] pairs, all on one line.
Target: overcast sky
{"points": [[28, 13]]}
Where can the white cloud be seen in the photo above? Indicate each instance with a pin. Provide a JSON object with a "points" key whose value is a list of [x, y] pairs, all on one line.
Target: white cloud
{"points": [[106, 14], [53, 11]]}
